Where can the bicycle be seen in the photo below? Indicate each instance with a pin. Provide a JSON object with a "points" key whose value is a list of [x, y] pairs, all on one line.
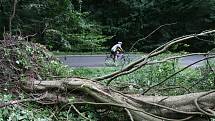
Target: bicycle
{"points": [[120, 60]]}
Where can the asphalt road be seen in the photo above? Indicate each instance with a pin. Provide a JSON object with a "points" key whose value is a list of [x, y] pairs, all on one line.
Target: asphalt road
{"points": [[83, 60], [99, 60]]}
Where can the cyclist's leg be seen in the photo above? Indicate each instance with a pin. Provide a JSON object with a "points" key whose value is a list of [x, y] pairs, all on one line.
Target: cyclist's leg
{"points": [[117, 55], [113, 54], [121, 59]]}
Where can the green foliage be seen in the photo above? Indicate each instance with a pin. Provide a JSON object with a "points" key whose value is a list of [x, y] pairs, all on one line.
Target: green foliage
{"points": [[63, 26], [35, 112], [54, 40], [30, 111], [131, 20], [90, 73], [55, 23], [74, 34], [189, 80], [55, 68], [27, 60], [18, 113], [86, 42]]}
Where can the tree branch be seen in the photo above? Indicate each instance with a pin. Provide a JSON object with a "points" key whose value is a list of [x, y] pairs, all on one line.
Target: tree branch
{"points": [[150, 35], [177, 73], [142, 62], [168, 107], [129, 114], [12, 16]]}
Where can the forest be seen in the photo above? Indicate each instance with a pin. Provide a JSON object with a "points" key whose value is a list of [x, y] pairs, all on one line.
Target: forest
{"points": [[36, 86], [101, 24]]}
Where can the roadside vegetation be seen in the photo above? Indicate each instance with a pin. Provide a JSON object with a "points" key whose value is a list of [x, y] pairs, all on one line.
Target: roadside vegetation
{"points": [[190, 80], [35, 86]]}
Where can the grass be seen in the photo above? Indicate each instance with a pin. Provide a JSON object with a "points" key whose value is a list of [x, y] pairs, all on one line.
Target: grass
{"points": [[136, 82], [88, 72], [189, 80]]}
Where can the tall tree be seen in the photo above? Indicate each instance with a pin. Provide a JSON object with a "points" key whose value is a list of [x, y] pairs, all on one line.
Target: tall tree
{"points": [[56, 23], [131, 20]]}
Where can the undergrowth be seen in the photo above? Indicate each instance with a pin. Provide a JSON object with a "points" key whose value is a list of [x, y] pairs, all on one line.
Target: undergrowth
{"points": [[25, 61], [192, 79]]}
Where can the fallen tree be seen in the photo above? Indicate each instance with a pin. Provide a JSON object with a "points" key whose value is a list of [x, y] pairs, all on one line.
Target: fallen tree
{"points": [[150, 108], [22, 64], [192, 107]]}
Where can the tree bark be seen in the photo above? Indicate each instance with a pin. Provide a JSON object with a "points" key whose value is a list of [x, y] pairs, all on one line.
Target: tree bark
{"points": [[149, 108]]}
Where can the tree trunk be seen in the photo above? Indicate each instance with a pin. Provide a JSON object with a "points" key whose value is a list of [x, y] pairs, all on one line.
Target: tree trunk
{"points": [[150, 108]]}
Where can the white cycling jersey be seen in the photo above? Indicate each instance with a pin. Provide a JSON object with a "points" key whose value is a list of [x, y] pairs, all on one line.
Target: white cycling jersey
{"points": [[114, 48]]}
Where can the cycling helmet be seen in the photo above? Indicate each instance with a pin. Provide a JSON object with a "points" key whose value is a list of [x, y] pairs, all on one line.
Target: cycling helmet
{"points": [[119, 42]]}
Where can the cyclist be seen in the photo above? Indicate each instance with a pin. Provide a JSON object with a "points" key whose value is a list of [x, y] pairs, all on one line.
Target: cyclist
{"points": [[116, 49]]}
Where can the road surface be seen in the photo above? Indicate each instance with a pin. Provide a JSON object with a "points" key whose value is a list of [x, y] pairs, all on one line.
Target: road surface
{"points": [[98, 60]]}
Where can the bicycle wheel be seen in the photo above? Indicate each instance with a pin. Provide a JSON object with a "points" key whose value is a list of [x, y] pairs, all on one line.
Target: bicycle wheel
{"points": [[109, 61], [127, 60], [120, 61]]}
